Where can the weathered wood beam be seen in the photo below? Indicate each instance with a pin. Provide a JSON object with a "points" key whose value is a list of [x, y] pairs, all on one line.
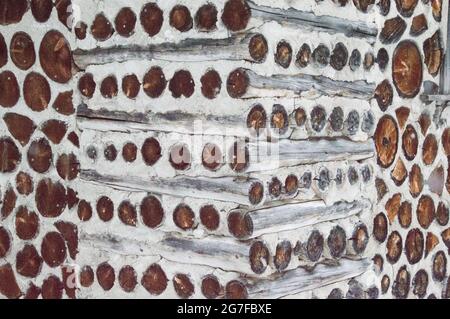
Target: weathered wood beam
{"points": [[315, 150], [169, 122], [439, 98], [104, 120], [263, 156], [234, 48], [299, 280], [276, 285], [232, 189], [245, 257], [301, 83], [312, 22], [224, 253], [444, 85], [244, 224], [197, 275]]}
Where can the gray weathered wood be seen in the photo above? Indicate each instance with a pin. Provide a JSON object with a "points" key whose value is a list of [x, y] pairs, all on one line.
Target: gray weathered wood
{"points": [[169, 122], [217, 252], [301, 83], [104, 120], [234, 48], [232, 189], [297, 215], [299, 280], [196, 274], [224, 253], [439, 98], [445, 72], [287, 153], [312, 22]]}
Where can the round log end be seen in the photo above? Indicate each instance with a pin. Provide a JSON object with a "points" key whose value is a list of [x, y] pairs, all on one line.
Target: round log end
{"points": [[240, 225], [259, 257], [386, 140], [237, 83], [211, 287], [184, 217], [407, 69], [414, 246], [258, 48], [235, 289], [236, 15]]}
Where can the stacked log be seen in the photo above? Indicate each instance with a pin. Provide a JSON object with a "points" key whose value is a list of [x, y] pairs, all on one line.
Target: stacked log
{"points": [[39, 151], [211, 150], [412, 159], [217, 197]]}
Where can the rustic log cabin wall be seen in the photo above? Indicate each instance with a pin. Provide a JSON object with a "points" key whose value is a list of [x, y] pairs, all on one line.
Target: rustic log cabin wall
{"points": [[224, 149]]}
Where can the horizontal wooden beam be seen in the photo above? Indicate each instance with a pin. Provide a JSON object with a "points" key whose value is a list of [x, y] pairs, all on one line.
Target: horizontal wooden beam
{"points": [[289, 153], [300, 280], [229, 189], [263, 156], [169, 122], [197, 273], [245, 224], [266, 156], [224, 253], [439, 98], [231, 258], [312, 22], [301, 83], [253, 257], [234, 48], [105, 120]]}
